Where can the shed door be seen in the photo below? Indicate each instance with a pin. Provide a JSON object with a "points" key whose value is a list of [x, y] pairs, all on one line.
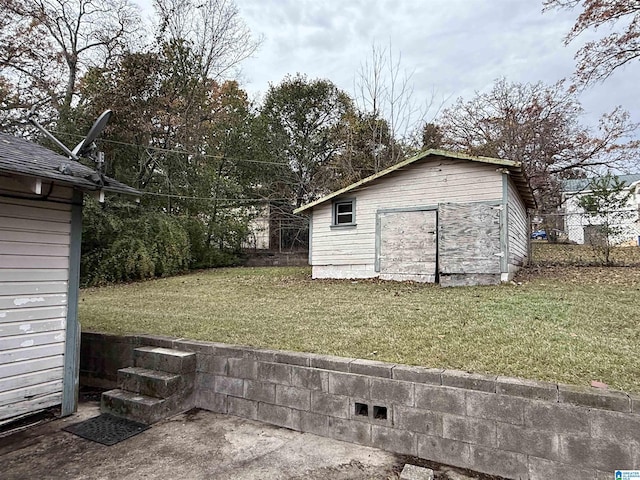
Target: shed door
{"points": [[407, 249], [469, 239]]}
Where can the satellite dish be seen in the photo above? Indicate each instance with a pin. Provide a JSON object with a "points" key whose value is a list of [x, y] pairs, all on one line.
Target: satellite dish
{"points": [[86, 145]]}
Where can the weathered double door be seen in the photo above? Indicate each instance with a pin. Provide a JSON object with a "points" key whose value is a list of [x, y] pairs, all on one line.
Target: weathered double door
{"points": [[456, 244]]}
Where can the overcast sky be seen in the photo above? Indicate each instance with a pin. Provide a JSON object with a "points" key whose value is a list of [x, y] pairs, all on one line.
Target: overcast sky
{"points": [[453, 47]]}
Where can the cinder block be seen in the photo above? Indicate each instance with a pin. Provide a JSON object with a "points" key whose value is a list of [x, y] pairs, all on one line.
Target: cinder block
{"points": [[372, 368], [293, 358], [330, 362], [260, 391], [470, 430], [209, 400], [274, 372], [205, 380], [242, 408], [229, 386], [443, 450], [499, 462], [388, 391], [193, 346], [314, 423], [556, 417], [278, 415], [614, 426], [349, 431], [527, 388], [597, 453], [540, 443], [542, 469], [393, 440], [262, 355], [470, 381], [331, 405], [154, 383], [417, 374], [293, 397], [310, 378], [594, 398], [243, 368], [229, 351], [157, 340], [165, 359], [635, 402], [417, 420], [440, 399], [212, 364], [491, 406], [349, 384]]}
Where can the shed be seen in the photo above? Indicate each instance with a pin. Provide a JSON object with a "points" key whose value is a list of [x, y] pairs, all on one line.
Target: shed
{"points": [[436, 217], [41, 196]]}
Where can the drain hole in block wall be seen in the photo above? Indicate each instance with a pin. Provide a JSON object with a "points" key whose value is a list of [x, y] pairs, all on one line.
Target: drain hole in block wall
{"points": [[362, 409], [379, 413]]}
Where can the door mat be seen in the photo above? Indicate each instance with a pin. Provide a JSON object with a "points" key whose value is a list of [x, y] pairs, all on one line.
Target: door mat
{"points": [[106, 429]]}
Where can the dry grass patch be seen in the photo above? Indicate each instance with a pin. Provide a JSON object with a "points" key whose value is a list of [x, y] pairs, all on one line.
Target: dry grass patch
{"points": [[569, 325]]}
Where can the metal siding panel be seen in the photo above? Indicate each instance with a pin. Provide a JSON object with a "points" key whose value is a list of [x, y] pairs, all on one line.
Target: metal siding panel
{"points": [[20, 261], [28, 393], [33, 237], [34, 249], [26, 407], [34, 274], [30, 379], [31, 225], [32, 288], [36, 326], [29, 366], [38, 212], [28, 301], [32, 314], [31, 340], [31, 353]]}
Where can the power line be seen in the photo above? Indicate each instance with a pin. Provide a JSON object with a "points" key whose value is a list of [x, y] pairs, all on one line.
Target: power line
{"points": [[170, 150], [187, 197]]}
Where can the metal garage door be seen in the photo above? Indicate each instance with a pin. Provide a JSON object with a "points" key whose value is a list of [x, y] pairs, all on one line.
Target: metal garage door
{"points": [[407, 245], [469, 244]]}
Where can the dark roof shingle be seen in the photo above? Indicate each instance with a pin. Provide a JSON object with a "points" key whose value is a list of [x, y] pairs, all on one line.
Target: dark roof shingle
{"points": [[19, 156]]}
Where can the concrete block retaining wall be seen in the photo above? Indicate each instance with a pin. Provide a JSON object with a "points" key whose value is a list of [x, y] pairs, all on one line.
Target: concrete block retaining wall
{"points": [[497, 425]]}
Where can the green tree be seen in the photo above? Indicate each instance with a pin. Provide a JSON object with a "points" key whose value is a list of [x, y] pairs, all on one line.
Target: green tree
{"points": [[607, 209], [300, 128]]}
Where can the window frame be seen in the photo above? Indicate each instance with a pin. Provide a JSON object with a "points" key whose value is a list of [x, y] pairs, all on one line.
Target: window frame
{"points": [[334, 212]]}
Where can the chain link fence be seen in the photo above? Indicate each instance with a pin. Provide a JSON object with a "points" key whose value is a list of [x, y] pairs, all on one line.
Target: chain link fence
{"points": [[576, 238]]}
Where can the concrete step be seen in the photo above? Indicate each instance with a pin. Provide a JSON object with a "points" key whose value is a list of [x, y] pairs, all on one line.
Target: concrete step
{"points": [[134, 406], [165, 360], [154, 383]]}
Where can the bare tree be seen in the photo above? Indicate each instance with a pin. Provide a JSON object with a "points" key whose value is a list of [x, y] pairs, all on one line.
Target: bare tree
{"points": [[540, 126], [598, 59], [214, 31], [46, 45], [384, 93]]}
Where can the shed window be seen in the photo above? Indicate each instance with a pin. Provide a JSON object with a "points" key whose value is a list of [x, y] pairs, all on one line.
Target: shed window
{"points": [[344, 212]]}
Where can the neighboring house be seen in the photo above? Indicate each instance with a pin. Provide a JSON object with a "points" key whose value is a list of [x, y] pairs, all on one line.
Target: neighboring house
{"points": [[436, 217], [581, 227], [40, 232]]}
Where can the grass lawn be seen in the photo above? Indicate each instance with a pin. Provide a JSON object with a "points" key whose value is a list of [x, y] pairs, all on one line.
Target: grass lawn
{"points": [[564, 324]]}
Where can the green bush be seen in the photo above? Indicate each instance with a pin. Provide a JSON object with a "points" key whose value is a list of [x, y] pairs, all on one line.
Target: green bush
{"points": [[122, 242]]}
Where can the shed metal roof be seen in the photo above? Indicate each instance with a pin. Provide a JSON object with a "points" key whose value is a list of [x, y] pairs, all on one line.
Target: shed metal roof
{"points": [[22, 157], [515, 169]]}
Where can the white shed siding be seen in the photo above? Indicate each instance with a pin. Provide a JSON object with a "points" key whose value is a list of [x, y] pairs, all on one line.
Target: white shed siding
{"points": [[518, 228], [34, 273], [421, 184]]}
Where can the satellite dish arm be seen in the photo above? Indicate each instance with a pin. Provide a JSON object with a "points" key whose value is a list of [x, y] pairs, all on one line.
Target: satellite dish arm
{"points": [[34, 122]]}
